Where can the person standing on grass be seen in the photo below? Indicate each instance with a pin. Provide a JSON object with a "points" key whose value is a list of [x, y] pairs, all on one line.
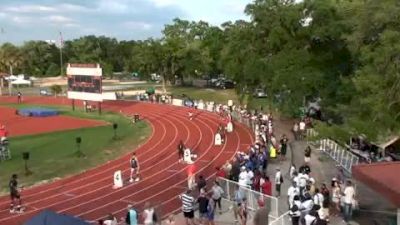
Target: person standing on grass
{"points": [[188, 207], [16, 202], [19, 96], [134, 168], [132, 217], [217, 193]]}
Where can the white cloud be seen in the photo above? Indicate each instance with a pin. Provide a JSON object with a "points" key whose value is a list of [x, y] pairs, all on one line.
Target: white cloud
{"points": [[137, 25], [71, 25], [65, 7], [117, 7], [30, 9], [164, 3], [58, 19], [21, 19]]}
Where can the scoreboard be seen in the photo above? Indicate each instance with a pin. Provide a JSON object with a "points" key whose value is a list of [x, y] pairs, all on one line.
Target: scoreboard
{"points": [[85, 82]]}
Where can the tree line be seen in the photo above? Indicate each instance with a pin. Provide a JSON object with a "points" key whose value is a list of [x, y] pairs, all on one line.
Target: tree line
{"points": [[345, 52]]}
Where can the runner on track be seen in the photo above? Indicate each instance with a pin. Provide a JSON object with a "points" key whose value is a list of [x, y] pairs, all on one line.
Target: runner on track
{"points": [[16, 202], [134, 168], [181, 148], [191, 112]]}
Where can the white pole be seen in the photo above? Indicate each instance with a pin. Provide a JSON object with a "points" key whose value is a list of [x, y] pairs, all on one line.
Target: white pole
{"points": [[398, 216], [9, 81]]}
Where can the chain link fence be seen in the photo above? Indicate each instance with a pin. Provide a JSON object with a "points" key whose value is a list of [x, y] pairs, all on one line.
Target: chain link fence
{"points": [[251, 196]]}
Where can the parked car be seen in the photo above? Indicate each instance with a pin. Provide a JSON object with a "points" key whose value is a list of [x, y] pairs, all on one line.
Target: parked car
{"points": [[227, 84], [45, 92], [260, 93]]}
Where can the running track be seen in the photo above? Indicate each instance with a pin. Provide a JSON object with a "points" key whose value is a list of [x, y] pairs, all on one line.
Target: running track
{"points": [[89, 194]]}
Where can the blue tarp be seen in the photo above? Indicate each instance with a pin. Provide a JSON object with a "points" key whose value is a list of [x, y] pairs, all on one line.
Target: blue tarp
{"points": [[48, 217]]}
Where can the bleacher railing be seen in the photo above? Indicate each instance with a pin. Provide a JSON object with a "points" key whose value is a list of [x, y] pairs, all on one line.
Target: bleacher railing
{"points": [[284, 219], [251, 196], [345, 158]]}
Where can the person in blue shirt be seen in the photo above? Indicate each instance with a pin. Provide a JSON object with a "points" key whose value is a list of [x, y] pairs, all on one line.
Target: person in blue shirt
{"points": [[131, 216]]}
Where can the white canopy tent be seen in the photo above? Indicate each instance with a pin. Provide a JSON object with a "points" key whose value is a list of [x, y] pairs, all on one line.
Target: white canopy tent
{"points": [[21, 82]]}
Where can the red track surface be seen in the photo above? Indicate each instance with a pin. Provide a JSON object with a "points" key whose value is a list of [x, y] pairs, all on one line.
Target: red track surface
{"points": [[19, 125], [89, 195]]}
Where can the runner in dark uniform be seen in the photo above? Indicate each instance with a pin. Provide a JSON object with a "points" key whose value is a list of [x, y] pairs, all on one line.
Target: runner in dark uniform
{"points": [[16, 202], [181, 148], [134, 169]]}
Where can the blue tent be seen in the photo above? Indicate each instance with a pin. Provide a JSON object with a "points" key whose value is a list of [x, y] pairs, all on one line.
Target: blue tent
{"points": [[48, 217]]}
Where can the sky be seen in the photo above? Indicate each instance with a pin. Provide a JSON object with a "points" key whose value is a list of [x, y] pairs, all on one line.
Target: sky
{"points": [[23, 20]]}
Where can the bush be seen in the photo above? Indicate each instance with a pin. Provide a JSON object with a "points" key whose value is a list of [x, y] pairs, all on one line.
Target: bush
{"points": [[56, 89]]}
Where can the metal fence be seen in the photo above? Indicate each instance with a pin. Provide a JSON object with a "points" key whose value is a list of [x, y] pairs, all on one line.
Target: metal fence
{"points": [[341, 155], [284, 219], [5, 153], [251, 196], [345, 158]]}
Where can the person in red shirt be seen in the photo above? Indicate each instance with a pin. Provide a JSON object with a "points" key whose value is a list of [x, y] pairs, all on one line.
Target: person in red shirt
{"points": [[257, 181], [266, 186], [221, 173]]}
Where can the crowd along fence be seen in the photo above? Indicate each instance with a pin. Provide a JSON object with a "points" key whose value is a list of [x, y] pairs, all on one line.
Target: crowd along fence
{"points": [[252, 197]]}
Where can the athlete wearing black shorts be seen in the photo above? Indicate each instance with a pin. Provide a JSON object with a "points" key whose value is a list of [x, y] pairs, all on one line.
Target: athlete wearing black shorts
{"points": [[14, 194], [134, 168], [181, 148]]}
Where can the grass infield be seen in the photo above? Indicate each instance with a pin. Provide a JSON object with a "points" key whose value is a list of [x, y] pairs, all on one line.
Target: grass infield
{"points": [[54, 155]]}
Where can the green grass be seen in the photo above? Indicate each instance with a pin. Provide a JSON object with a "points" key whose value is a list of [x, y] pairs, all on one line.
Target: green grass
{"points": [[52, 155], [206, 94]]}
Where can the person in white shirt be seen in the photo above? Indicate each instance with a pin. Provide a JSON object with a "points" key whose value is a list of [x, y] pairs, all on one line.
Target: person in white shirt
{"points": [[311, 218], [111, 220], [292, 192], [295, 210], [243, 177], [217, 193], [349, 194], [292, 171], [250, 176], [302, 129], [303, 179], [318, 198], [148, 214], [307, 205], [278, 181]]}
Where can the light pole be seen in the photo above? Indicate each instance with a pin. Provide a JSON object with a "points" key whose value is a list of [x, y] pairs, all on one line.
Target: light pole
{"points": [[61, 55]]}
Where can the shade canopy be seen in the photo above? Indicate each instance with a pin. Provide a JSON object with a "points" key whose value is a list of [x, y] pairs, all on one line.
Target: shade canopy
{"points": [[381, 177], [48, 217]]}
